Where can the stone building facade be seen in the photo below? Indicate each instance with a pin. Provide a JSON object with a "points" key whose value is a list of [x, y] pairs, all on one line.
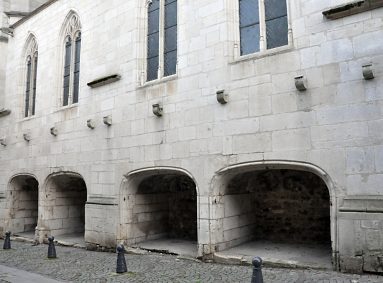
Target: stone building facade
{"points": [[234, 136]]}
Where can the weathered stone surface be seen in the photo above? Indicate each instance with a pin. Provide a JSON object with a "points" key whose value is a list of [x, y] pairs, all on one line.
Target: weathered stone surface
{"points": [[78, 265], [334, 129]]}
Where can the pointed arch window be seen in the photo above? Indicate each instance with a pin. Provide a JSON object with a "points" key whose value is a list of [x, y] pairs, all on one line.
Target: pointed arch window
{"points": [[72, 54], [31, 79]]}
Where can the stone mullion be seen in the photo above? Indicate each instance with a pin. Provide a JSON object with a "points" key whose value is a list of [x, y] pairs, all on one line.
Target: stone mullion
{"points": [[71, 75], [262, 26], [161, 47]]}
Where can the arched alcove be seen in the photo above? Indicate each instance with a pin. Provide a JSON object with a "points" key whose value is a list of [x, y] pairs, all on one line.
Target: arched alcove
{"points": [[63, 205], [278, 210], [23, 205], [159, 211]]}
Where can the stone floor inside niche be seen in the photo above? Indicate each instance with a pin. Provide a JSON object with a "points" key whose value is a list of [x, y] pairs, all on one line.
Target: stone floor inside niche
{"points": [[173, 246], [74, 239], [280, 254], [71, 240], [27, 235]]}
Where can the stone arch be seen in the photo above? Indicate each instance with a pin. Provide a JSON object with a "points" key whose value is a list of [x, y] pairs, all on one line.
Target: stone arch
{"points": [[71, 24], [29, 54], [30, 46], [62, 205], [159, 203], [23, 192], [224, 178], [71, 27]]}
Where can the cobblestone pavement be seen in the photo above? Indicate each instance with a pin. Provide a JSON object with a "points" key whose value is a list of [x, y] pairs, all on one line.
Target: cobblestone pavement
{"points": [[78, 265]]}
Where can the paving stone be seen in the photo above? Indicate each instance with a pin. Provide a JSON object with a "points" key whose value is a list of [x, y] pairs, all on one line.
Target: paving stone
{"points": [[79, 265]]}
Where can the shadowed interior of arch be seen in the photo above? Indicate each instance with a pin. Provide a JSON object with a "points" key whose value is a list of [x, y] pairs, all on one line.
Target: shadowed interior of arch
{"points": [[63, 207], [164, 215], [23, 211], [281, 214]]}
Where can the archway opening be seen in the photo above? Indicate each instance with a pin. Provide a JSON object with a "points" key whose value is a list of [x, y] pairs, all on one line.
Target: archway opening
{"points": [[24, 192], [64, 207], [163, 213], [278, 214]]}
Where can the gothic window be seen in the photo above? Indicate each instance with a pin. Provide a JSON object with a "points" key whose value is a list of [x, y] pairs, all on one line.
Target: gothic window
{"points": [[161, 39], [30, 80], [263, 25], [71, 66]]}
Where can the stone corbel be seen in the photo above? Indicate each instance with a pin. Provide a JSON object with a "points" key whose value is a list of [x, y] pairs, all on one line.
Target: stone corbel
{"points": [[4, 112]]}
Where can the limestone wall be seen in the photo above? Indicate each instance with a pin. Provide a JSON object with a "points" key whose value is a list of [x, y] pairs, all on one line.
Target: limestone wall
{"points": [[4, 5], [335, 126]]}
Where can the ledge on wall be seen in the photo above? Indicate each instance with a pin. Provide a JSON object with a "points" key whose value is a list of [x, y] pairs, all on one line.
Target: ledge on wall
{"points": [[102, 200], [104, 81], [4, 112], [367, 204], [352, 8]]}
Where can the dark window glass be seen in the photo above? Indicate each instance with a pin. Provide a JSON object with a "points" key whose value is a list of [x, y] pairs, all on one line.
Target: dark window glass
{"points": [[250, 39], [170, 44], [28, 87], [152, 68], [248, 12], [249, 26], [154, 5], [34, 85], [153, 40], [153, 47], [170, 39], [170, 63], [153, 21], [277, 32], [276, 23], [170, 13], [68, 47], [275, 9], [76, 74]]}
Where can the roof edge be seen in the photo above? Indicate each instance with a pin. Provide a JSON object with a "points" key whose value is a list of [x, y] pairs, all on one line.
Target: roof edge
{"points": [[33, 13]]}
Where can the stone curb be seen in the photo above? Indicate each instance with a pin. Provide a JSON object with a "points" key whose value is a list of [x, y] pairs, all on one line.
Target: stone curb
{"points": [[267, 262]]}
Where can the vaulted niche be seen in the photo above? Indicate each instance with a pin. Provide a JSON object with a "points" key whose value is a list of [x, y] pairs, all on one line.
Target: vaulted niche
{"points": [[159, 212], [279, 213], [63, 205], [280, 205], [23, 210]]}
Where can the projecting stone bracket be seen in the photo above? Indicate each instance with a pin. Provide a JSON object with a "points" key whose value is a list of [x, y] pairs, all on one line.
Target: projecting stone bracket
{"points": [[104, 81], [3, 38], [352, 8], [4, 112]]}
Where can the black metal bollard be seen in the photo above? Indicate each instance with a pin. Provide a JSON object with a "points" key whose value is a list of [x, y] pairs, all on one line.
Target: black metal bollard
{"points": [[7, 241], [121, 263], [257, 270], [51, 248]]}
